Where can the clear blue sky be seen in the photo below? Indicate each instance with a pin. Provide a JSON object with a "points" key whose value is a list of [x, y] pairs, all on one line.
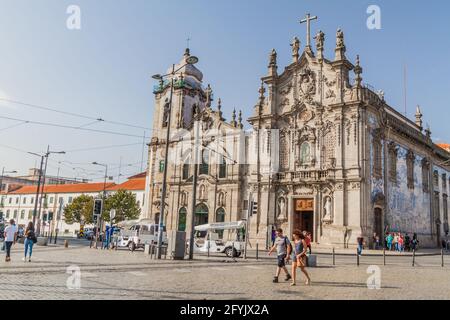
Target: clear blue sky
{"points": [[104, 69]]}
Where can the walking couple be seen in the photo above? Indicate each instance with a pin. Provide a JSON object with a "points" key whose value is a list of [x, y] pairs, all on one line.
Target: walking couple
{"points": [[10, 235], [295, 251]]}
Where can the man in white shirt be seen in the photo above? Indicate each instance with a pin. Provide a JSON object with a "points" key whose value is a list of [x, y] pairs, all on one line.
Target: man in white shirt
{"points": [[10, 238]]}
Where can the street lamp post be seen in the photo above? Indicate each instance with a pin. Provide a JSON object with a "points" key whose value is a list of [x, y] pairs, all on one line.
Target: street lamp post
{"points": [[194, 189], [40, 189], [189, 60]]}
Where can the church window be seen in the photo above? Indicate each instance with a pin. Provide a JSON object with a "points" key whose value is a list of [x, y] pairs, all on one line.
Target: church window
{"points": [[425, 175], [436, 179], [284, 151], [222, 168], [328, 157], [305, 151], [393, 152], [410, 159], [165, 121], [161, 166], [186, 168], [377, 155], [204, 166], [446, 226], [444, 181]]}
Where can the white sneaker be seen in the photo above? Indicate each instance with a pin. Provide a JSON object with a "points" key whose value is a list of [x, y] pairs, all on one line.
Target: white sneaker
{"points": [[24, 259]]}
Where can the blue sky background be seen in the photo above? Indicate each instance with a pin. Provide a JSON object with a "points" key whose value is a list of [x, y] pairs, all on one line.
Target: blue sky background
{"points": [[104, 69]]}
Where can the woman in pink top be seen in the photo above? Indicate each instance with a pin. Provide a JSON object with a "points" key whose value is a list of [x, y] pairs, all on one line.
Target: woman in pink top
{"points": [[401, 241]]}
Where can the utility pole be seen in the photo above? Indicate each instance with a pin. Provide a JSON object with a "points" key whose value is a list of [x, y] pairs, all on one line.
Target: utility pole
{"points": [[43, 185], [194, 189], [38, 189]]}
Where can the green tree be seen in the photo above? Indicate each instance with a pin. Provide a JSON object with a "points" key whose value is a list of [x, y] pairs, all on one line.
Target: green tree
{"points": [[80, 209], [125, 204]]}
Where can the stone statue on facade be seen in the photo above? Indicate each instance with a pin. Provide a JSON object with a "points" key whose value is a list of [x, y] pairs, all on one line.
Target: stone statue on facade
{"points": [[327, 210], [340, 39], [320, 40], [295, 48], [281, 209]]}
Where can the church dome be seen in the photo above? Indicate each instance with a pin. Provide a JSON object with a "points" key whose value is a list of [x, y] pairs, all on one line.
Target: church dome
{"points": [[188, 70]]}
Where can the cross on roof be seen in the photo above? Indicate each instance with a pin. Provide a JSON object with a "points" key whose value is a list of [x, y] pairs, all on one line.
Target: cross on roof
{"points": [[188, 40], [308, 20]]}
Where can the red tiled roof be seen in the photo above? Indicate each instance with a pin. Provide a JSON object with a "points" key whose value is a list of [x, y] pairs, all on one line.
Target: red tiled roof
{"points": [[138, 176], [444, 146], [131, 185], [66, 188]]}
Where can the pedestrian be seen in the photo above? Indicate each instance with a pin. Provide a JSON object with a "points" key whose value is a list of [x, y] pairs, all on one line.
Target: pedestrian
{"points": [[415, 242], [308, 241], [10, 235], [374, 241], [389, 240], [360, 241], [407, 243], [30, 240], [299, 256], [105, 243], [395, 242], [283, 247], [400, 243]]}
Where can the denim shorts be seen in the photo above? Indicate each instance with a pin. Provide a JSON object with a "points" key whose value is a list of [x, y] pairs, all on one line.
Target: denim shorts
{"points": [[281, 260]]}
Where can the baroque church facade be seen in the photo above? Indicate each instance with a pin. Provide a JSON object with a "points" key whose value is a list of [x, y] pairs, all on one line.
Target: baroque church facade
{"points": [[325, 154]]}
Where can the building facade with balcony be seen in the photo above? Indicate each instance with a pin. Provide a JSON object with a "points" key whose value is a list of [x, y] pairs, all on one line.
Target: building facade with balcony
{"points": [[325, 154]]}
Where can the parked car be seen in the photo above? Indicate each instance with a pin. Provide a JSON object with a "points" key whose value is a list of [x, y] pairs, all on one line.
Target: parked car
{"points": [[88, 234]]}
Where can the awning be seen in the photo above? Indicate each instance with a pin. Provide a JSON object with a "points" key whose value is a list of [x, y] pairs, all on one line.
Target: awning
{"points": [[221, 226]]}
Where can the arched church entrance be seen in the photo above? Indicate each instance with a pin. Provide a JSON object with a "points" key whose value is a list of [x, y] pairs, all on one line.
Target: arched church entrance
{"points": [[378, 222]]}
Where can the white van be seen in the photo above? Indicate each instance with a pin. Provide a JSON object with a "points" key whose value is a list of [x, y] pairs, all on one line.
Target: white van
{"points": [[139, 234]]}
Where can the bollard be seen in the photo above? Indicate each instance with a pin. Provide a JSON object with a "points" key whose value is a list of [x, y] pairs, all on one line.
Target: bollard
{"points": [[442, 258], [357, 258], [414, 257], [384, 256], [208, 248], [334, 257], [117, 243], [66, 243], [56, 237], [257, 252], [51, 237]]}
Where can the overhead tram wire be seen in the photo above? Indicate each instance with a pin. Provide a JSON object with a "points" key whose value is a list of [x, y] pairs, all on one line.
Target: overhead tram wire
{"points": [[14, 126], [50, 109], [72, 127]]}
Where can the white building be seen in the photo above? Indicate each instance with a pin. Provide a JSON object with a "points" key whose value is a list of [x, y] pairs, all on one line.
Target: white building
{"points": [[19, 204]]}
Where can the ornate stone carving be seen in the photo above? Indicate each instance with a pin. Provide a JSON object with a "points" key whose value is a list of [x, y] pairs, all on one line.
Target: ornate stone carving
{"points": [[307, 85], [355, 185], [330, 94], [306, 115]]}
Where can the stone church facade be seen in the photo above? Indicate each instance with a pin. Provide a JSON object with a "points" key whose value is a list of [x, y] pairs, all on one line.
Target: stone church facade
{"points": [[325, 153]]}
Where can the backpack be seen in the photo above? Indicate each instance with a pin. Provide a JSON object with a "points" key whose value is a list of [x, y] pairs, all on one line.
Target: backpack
{"points": [[32, 236]]}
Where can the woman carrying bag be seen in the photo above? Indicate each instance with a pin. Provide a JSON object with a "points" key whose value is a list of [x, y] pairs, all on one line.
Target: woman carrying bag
{"points": [[30, 240]]}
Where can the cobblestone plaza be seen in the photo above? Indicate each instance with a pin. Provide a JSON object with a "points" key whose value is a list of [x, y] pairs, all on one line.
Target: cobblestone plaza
{"points": [[132, 276]]}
